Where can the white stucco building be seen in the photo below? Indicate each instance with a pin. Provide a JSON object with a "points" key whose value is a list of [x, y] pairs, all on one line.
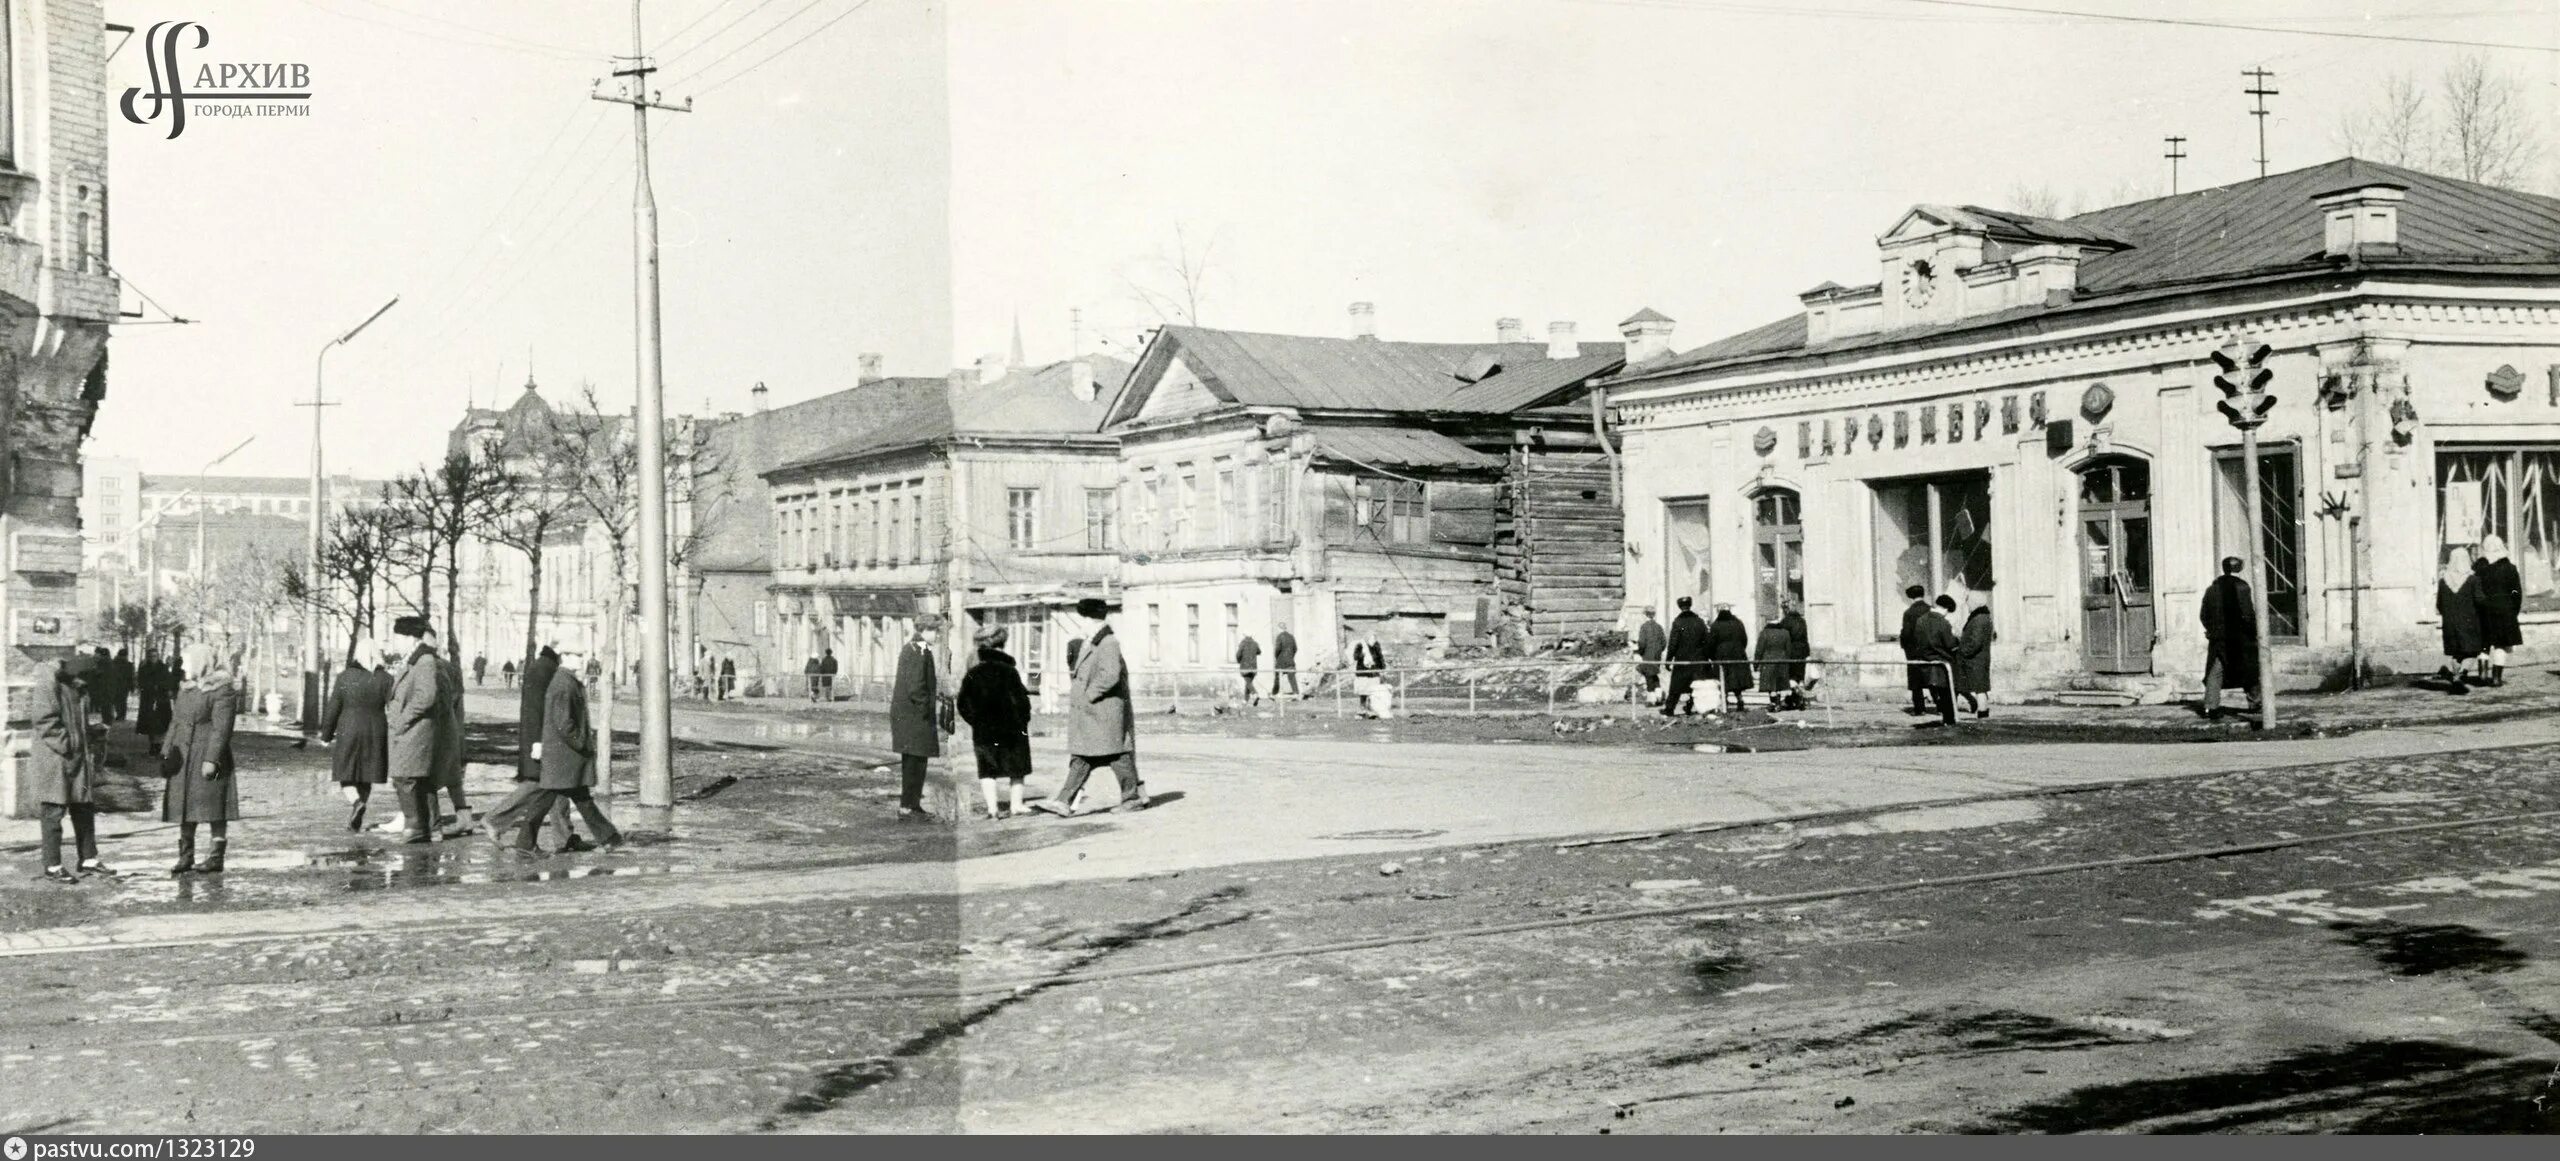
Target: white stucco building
{"points": [[2023, 409]]}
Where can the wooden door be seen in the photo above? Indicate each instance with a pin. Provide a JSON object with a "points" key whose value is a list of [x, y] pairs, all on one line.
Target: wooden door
{"points": [[2117, 619]]}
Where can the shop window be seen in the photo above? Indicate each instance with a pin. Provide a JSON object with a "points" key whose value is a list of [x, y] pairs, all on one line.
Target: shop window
{"points": [[2280, 493], [1685, 564], [1935, 533], [2512, 493]]}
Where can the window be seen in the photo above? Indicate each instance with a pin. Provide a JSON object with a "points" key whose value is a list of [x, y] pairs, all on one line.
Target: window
{"points": [[1934, 533], [1235, 628], [1186, 498], [2509, 493], [1022, 517], [897, 549], [2280, 493], [1159, 530], [1191, 634], [915, 523], [1100, 505], [1376, 510], [876, 533], [764, 619], [1155, 644], [1275, 502], [1224, 519]]}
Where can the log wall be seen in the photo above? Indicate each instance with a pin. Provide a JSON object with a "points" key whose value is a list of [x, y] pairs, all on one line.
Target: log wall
{"points": [[1558, 558]]}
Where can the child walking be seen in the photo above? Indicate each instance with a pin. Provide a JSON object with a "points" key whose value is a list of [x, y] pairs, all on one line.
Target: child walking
{"points": [[998, 709]]}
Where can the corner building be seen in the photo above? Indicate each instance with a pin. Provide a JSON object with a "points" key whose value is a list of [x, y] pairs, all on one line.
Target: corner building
{"points": [[2023, 410]]}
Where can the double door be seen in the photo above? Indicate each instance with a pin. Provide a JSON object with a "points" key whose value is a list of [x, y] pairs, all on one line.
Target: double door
{"points": [[2118, 621]]}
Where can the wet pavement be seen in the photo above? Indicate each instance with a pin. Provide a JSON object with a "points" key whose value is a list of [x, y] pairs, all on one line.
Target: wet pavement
{"points": [[2349, 933]]}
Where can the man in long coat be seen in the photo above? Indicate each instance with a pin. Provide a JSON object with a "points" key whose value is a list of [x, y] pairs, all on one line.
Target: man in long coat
{"points": [[1249, 662], [1914, 677], [356, 728], [915, 717], [1729, 645], [1102, 727], [450, 744], [121, 669], [1651, 643], [63, 768], [1687, 650], [151, 688], [417, 728], [2230, 637], [1284, 661], [531, 704], [568, 759], [1927, 637]]}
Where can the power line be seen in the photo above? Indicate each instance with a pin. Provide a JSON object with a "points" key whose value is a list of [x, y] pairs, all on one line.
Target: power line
{"points": [[2228, 26], [692, 24], [769, 57], [523, 47], [478, 31], [716, 33]]}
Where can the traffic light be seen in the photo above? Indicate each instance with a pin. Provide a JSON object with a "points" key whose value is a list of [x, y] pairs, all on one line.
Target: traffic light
{"points": [[2243, 379]]}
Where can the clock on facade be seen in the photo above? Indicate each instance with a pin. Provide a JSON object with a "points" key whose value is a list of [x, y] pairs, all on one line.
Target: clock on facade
{"points": [[1918, 282]]}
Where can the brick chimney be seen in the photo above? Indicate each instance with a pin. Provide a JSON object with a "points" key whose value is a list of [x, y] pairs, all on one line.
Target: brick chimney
{"points": [[756, 397], [1560, 341], [2361, 219], [1080, 379], [868, 363], [1510, 330], [1364, 320], [1648, 336]]}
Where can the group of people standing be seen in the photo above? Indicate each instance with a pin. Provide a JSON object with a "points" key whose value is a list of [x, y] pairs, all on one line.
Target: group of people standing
{"points": [[400, 721], [186, 719], [996, 704], [1942, 662], [2479, 599], [1696, 649]]}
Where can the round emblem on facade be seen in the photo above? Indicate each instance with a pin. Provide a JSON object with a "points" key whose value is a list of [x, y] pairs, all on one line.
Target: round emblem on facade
{"points": [[1765, 440], [2506, 382], [2097, 401]]}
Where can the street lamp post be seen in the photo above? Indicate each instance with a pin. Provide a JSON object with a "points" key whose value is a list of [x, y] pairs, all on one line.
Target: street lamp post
{"points": [[311, 675]]}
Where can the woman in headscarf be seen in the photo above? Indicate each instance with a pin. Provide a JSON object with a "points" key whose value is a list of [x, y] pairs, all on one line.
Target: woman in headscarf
{"points": [[2458, 605], [2501, 597], [1973, 659], [198, 755], [358, 733]]}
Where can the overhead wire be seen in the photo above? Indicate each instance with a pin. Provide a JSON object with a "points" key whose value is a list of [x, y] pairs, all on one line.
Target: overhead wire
{"points": [[770, 57]]}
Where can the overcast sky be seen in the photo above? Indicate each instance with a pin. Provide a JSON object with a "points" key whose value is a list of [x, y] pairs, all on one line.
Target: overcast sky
{"points": [[903, 184]]}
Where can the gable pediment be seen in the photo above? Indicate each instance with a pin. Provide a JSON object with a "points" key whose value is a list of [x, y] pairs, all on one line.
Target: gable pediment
{"points": [[1917, 223], [1177, 391]]}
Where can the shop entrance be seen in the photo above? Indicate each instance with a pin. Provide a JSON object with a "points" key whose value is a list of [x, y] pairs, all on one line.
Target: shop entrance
{"points": [[2117, 622]]}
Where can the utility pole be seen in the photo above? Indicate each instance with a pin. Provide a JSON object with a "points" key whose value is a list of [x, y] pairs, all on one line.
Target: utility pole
{"points": [[657, 770], [2258, 78], [2176, 155], [2242, 375]]}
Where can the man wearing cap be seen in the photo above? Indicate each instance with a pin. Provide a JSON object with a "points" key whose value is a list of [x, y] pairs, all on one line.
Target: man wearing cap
{"points": [[1102, 729], [1688, 650], [915, 717], [64, 768], [417, 728], [568, 753]]}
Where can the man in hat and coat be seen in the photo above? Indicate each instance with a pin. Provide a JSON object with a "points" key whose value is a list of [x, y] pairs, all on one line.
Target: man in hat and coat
{"points": [[65, 767], [568, 752], [1927, 637], [417, 712], [1687, 649], [915, 717], [1102, 727], [2230, 638], [531, 704], [1651, 643]]}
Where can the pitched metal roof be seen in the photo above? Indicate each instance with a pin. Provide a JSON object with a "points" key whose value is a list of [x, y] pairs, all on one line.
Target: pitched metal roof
{"points": [[1305, 371], [1397, 449], [1038, 401], [2266, 226], [732, 506]]}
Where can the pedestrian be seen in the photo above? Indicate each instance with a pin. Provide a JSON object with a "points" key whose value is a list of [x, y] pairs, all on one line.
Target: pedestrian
{"points": [[1284, 661], [450, 744], [2230, 638], [1102, 727], [1973, 660], [508, 815], [1799, 651], [568, 753], [1686, 651], [1927, 639], [915, 717], [728, 677], [1771, 655], [507, 674], [417, 729], [2501, 600], [151, 712], [1651, 642], [118, 694], [2458, 609], [64, 765], [1729, 645], [1912, 674], [1369, 674], [357, 730], [480, 669], [809, 673], [202, 789], [827, 676], [997, 707], [1249, 662]]}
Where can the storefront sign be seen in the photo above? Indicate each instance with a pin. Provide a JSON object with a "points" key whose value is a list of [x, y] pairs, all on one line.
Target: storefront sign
{"points": [[43, 552]]}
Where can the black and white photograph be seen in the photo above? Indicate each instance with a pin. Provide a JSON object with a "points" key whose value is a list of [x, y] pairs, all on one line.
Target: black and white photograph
{"points": [[632, 568]]}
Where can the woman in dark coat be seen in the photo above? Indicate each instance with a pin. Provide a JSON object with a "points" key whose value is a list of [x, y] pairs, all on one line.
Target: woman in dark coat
{"points": [[1729, 642], [358, 732], [2501, 598], [1973, 661], [151, 685], [998, 709], [1772, 652], [202, 790], [2458, 608]]}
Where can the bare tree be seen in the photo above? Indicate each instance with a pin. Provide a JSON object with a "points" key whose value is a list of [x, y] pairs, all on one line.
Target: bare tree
{"points": [[1173, 284], [2037, 201], [2477, 125], [439, 508], [2396, 129], [355, 556], [526, 511]]}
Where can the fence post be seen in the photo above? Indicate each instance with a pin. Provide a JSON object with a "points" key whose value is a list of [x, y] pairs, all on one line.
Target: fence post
{"points": [[1337, 699], [1551, 689], [1471, 692]]}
